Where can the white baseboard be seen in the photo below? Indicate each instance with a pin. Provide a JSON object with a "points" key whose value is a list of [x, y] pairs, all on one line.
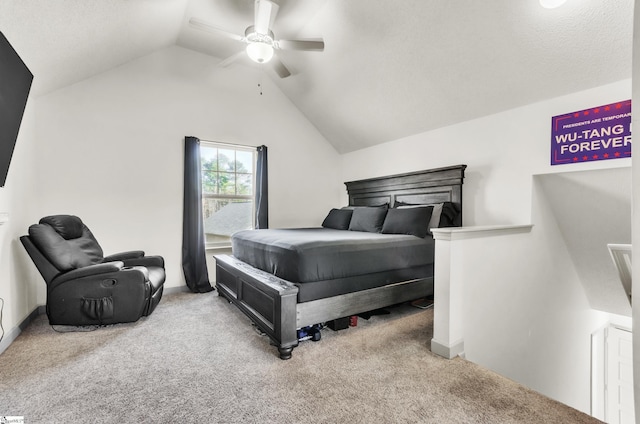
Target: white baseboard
{"points": [[449, 352], [12, 334], [172, 290]]}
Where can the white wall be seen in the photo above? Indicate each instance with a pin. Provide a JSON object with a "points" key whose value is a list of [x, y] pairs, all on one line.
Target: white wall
{"points": [[592, 209], [502, 152], [110, 149], [18, 287], [636, 211], [527, 315]]}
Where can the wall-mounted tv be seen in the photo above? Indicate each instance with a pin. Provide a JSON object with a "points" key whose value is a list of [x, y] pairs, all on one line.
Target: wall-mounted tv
{"points": [[15, 84]]}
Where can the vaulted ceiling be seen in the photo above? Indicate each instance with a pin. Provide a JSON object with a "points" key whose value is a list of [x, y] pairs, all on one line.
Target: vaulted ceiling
{"points": [[389, 69]]}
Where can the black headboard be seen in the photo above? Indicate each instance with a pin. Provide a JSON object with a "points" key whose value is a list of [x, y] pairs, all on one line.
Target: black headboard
{"points": [[422, 187]]}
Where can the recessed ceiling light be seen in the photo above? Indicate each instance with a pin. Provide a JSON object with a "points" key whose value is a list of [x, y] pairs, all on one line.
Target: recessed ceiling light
{"points": [[552, 4]]}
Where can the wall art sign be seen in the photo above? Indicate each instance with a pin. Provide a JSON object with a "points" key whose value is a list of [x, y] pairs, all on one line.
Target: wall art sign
{"points": [[598, 133]]}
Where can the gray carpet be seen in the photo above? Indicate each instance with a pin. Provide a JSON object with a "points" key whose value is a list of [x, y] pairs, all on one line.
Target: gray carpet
{"points": [[197, 359]]}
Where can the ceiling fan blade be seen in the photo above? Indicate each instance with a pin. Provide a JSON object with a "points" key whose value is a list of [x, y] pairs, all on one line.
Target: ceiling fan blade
{"points": [[228, 61], [279, 67], [265, 14], [308, 45], [274, 12], [197, 23]]}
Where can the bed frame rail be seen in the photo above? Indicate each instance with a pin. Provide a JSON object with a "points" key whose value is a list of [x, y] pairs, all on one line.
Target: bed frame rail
{"points": [[270, 302]]}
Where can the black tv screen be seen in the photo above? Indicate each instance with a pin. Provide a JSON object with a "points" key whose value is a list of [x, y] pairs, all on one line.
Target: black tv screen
{"points": [[15, 83]]}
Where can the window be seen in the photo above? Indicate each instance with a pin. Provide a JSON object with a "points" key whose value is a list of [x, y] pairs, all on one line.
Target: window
{"points": [[227, 191]]}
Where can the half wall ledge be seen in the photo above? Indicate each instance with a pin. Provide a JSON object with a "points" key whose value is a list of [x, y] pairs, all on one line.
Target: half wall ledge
{"points": [[449, 286], [461, 233]]}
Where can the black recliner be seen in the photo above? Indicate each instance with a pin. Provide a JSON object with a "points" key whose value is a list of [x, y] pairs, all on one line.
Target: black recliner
{"points": [[83, 286]]}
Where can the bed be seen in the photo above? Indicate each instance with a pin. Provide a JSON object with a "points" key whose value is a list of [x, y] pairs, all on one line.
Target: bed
{"points": [[287, 279]]}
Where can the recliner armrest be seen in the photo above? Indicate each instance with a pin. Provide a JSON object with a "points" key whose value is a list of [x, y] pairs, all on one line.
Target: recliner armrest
{"points": [[157, 261], [97, 269], [131, 254]]}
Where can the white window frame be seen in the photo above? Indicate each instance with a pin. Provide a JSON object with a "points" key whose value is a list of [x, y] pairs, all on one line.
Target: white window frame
{"points": [[252, 197]]}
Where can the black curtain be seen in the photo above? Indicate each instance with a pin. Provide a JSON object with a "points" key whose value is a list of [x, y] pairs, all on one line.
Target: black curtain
{"points": [[194, 262], [262, 190]]}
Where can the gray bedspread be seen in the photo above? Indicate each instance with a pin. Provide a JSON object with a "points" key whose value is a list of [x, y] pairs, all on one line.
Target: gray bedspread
{"points": [[316, 254]]}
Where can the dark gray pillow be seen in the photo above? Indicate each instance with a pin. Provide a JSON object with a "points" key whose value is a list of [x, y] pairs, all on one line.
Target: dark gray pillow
{"points": [[445, 214], [338, 219], [412, 221], [369, 219]]}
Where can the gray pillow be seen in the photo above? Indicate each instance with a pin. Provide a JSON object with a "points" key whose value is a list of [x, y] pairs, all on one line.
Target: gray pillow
{"points": [[369, 219], [412, 221], [436, 214], [338, 219]]}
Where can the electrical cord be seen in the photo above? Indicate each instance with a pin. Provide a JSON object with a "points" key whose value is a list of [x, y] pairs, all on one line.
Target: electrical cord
{"points": [[57, 328], [75, 329]]}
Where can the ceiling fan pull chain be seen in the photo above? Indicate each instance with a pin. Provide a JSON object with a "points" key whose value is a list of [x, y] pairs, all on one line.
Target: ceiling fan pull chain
{"points": [[260, 79]]}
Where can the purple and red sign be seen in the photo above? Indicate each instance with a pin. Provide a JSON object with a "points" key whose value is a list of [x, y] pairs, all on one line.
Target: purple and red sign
{"points": [[599, 133]]}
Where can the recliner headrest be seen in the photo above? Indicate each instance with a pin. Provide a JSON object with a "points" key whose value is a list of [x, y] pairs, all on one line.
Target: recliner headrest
{"points": [[68, 226], [66, 242]]}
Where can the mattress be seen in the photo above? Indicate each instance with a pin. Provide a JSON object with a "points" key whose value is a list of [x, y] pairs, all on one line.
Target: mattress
{"points": [[335, 261]]}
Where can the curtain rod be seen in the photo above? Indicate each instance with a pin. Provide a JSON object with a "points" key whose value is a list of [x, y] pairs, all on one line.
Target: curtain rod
{"points": [[228, 144]]}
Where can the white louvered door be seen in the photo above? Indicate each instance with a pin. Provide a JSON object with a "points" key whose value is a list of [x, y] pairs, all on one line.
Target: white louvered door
{"points": [[619, 377]]}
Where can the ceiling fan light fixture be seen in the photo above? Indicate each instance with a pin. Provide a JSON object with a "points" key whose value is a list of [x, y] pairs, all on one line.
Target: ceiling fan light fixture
{"points": [[260, 52]]}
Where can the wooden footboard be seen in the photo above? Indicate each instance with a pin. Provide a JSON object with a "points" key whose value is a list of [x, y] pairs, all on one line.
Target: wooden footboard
{"points": [[271, 302]]}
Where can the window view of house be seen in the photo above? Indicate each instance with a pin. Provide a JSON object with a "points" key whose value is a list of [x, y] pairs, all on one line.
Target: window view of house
{"points": [[227, 191]]}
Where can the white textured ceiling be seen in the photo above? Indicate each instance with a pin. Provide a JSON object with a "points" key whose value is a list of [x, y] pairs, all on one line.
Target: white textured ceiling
{"points": [[65, 41], [390, 68]]}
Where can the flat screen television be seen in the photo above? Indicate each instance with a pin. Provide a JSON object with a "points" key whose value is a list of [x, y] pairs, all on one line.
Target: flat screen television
{"points": [[15, 84]]}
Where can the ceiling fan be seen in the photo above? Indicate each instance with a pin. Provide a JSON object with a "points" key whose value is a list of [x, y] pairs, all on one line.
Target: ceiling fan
{"points": [[260, 40]]}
